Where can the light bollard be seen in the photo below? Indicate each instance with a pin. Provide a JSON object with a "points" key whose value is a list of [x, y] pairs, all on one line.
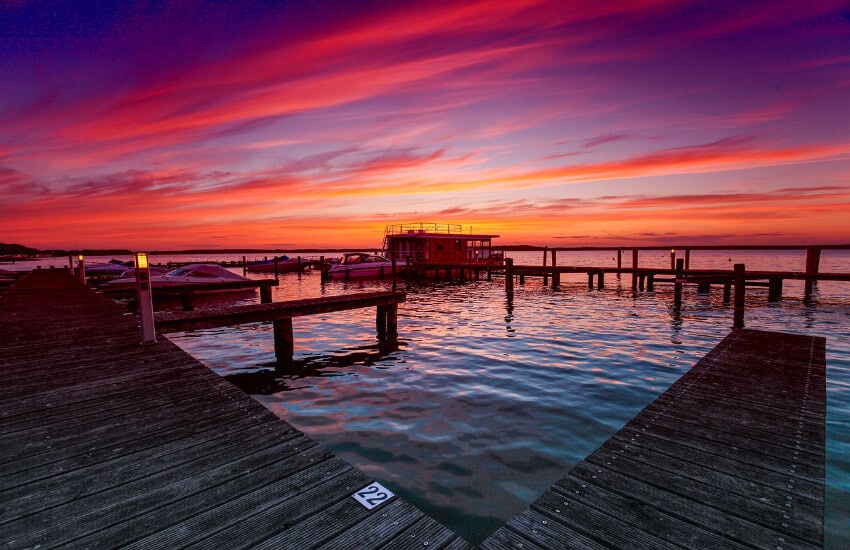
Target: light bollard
{"points": [[144, 297], [82, 264]]}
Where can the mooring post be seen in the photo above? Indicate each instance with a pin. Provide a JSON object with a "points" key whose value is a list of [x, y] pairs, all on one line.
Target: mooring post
{"points": [[265, 294], [144, 297], [244, 266], [71, 264], [600, 281], [276, 275], [556, 277], [509, 275], [727, 292], [740, 290], [381, 321], [284, 342], [589, 280], [650, 282], [619, 261], [774, 289], [187, 300], [679, 283], [812, 266], [82, 268], [392, 322], [687, 259], [634, 258], [545, 274]]}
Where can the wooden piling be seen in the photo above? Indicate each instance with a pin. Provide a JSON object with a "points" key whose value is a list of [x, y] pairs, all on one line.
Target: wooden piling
{"points": [[619, 260], [650, 282], [545, 275], [679, 283], [812, 266], [187, 300], [509, 275], [600, 280], [740, 290], [284, 342], [265, 294], [774, 289], [556, 277]]}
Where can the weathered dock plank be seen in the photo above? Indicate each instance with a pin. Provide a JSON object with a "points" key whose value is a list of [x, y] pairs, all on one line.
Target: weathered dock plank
{"points": [[108, 442], [731, 455]]}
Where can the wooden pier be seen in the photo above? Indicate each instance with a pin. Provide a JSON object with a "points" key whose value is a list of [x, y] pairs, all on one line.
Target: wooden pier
{"points": [[108, 442], [281, 314], [731, 456]]}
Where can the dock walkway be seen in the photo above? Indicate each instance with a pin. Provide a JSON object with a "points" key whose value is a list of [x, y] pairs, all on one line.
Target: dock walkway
{"points": [[730, 456], [107, 442]]}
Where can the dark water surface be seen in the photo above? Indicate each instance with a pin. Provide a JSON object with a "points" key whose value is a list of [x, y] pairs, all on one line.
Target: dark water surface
{"points": [[489, 400]]}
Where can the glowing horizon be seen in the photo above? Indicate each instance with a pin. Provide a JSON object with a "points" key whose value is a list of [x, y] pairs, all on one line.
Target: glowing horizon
{"points": [[314, 126]]}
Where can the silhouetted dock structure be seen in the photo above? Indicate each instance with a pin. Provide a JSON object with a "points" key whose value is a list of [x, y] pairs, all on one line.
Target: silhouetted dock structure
{"points": [[731, 456], [108, 442], [105, 442]]}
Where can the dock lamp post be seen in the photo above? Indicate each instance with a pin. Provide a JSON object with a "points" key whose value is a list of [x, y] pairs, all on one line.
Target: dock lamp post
{"points": [[672, 258], [82, 264], [144, 297]]}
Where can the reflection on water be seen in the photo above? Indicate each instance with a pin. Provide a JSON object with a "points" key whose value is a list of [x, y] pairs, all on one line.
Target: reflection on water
{"points": [[271, 378], [490, 398]]}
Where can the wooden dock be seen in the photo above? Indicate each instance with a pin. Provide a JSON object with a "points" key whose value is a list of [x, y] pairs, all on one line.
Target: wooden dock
{"points": [[731, 456], [281, 314], [107, 442]]}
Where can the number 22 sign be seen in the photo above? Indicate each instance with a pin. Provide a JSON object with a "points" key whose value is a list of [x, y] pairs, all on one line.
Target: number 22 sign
{"points": [[373, 495]]}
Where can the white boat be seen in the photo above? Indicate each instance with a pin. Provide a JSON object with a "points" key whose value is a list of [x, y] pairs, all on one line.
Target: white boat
{"points": [[112, 268], [196, 275], [361, 265]]}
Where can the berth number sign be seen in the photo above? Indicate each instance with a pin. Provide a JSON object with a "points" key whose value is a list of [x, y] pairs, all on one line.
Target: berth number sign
{"points": [[373, 495]]}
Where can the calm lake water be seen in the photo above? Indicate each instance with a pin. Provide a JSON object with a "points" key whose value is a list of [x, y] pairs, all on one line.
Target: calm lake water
{"points": [[489, 400]]}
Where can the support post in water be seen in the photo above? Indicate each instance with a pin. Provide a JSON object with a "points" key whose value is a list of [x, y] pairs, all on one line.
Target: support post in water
{"points": [[672, 258], [545, 275], [740, 290], [265, 294], [244, 266], [774, 289], [144, 297], [812, 267], [556, 277], [509, 275], [284, 342], [679, 283], [82, 268]]}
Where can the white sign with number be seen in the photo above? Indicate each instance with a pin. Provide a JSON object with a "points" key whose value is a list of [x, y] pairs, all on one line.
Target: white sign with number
{"points": [[373, 495]]}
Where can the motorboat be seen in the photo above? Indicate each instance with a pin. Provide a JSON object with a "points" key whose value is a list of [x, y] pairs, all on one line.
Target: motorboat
{"points": [[285, 264], [112, 268], [359, 265], [200, 278]]}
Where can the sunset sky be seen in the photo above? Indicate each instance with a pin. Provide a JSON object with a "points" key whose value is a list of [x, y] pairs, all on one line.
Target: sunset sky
{"points": [[169, 125]]}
